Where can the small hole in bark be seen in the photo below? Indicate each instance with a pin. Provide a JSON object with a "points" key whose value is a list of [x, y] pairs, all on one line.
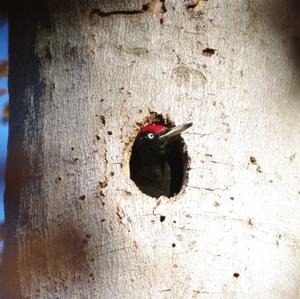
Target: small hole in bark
{"points": [[208, 52], [159, 159], [82, 197], [236, 275], [162, 218], [103, 184], [173, 245], [109, 132], [58, 179], [102, 117]]}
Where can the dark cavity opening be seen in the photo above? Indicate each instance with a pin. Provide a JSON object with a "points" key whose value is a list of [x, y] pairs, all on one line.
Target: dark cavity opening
{"points": [[158, 166]]}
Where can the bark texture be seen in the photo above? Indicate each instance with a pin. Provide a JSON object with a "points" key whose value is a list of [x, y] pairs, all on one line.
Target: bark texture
{"points": [[83, 77]]}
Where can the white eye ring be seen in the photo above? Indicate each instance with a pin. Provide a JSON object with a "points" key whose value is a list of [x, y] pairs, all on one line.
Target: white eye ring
{"points": [[150, 135]]}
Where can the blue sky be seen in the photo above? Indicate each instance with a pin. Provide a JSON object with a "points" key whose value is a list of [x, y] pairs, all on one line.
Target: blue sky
{"points": [[3, 102]]}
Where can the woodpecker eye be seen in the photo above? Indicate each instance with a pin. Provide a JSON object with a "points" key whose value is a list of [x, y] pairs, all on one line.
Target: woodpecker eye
{"points": [[150, 135]]}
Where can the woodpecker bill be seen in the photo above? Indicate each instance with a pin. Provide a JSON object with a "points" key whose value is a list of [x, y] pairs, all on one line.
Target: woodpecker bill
{"points": [[156, 164]]}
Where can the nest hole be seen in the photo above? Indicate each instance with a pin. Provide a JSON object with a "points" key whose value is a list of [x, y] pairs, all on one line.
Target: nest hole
{"points": [[155, 170]]}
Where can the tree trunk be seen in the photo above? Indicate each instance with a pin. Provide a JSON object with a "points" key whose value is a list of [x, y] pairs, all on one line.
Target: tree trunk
{"points": [[83, 77]]}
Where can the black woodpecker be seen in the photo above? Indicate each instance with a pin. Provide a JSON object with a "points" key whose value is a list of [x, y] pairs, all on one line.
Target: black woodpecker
{"points": [[156, 164]]}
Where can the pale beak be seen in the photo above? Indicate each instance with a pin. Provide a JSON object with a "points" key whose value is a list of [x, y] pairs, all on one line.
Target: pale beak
{"points": [[174, 131]]}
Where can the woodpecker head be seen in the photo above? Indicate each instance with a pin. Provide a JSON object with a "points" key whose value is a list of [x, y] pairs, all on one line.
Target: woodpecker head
{"points": [[155, 138]]}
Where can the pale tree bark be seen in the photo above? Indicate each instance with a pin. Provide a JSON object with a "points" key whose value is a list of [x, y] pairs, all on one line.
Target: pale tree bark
{"points": [[83, 77]]}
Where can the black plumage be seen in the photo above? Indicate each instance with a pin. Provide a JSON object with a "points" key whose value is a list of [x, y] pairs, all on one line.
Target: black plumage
{"points": [[157, 160]]}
